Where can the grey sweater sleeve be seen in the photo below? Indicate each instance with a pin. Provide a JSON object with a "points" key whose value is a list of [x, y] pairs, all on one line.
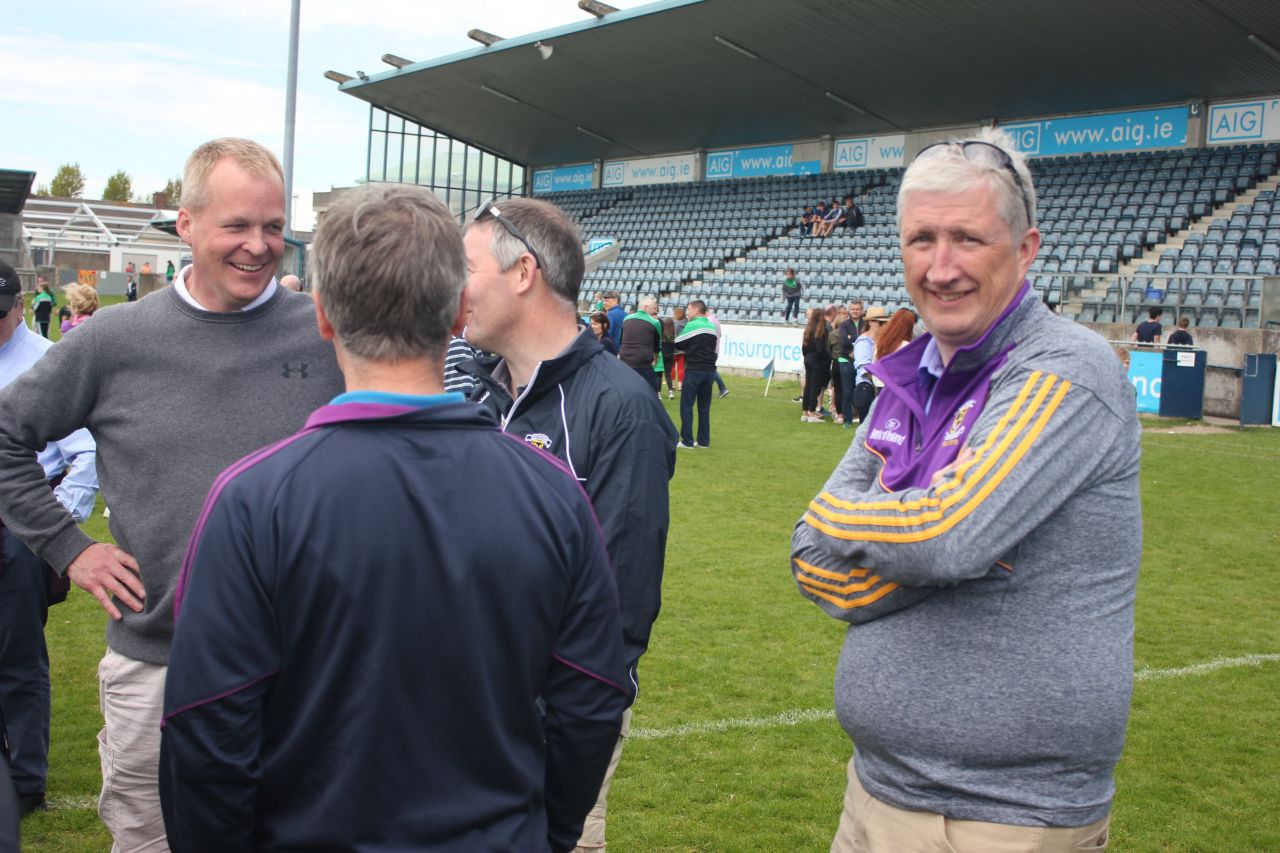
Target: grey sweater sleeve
{"points": [[47, 402], [1038, 441], [844, 588]]}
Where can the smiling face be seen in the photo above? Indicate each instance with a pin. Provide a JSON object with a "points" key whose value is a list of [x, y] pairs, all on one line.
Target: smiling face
{"points": [[962, 264], [236, 239]]}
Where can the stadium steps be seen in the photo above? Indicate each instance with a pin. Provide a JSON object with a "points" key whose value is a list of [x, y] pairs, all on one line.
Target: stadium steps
{"points": [[1241, 202]]}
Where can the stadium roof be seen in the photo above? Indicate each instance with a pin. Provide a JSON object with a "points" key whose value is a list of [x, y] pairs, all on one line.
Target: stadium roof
{"points": [[15, 187], [681, 75]]}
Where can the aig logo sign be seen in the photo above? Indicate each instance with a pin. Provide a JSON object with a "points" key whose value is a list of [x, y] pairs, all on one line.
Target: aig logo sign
{"points": [[852, 153], [1232, 122], [614, 174], [542, 182], [720, 165], [1026, 137]]}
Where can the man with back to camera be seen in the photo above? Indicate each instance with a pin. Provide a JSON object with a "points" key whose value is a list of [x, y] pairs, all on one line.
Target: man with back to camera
{"points": [[641, 348], [1148, 331], [1180, 337], [554, 386], [25, 591], [984, 545], [403, 712], [174, 389]]}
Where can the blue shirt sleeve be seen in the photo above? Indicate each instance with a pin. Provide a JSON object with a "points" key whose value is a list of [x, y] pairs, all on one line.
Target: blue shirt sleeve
{"points": [[77, 455]]}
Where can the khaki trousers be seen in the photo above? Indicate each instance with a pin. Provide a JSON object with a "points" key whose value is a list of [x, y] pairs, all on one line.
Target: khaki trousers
{"points": [[131, 694], [870, 826], [593, 839]]}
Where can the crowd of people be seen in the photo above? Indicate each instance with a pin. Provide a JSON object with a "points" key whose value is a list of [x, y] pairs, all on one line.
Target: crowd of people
{"points": [[821, 219], [298, 579]]}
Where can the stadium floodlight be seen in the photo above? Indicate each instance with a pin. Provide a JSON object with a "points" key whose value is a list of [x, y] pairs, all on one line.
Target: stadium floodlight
{"points": [[842, 102], [1264, 46], [595, 135], [484, 38], [739, 48], [338, 77], [595, 7], [396, 61], [500, 94]]}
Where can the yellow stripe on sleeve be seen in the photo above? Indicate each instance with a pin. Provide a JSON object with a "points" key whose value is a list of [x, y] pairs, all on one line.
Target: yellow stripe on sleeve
{"points": [[850, 603], [936, 507], [964, 510]]}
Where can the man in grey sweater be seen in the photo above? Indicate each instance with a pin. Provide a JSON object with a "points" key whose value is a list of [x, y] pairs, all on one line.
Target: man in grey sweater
{"points": [[174, 388], [982, 536]]}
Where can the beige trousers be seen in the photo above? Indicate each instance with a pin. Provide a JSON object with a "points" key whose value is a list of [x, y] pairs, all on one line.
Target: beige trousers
{"points": [[593, 829], [131, 694], [870, 826]]}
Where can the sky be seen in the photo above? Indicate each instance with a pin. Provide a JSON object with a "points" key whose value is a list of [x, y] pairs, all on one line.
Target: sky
{"points": [[138, 85]]}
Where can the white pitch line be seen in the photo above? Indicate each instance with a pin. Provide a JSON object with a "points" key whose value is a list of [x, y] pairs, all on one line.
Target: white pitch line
{"points": [[803, 715], [1145, 674], [811, 715]]}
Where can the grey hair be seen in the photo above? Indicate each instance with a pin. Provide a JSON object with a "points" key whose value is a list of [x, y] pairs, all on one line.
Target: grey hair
{"points": [[647, 301], [949, 171], [388, 267], [552, 234]]}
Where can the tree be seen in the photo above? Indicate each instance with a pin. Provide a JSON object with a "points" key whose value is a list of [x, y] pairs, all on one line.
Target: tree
{"points": [[173, 191], [42, 189], [68, 182], [119, 187]]}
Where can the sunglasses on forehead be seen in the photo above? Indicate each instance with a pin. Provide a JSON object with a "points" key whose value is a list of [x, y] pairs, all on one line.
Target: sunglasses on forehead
{"points": [[490, 209], [985, 154]]}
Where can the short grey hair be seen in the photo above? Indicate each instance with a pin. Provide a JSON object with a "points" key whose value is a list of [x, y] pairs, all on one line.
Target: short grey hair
{"points": [[553, 236], [388, 267], [949, 171], [647, 301]]}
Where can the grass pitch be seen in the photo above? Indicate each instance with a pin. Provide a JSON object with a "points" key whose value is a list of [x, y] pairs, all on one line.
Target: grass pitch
{"points": [[735, 746]]}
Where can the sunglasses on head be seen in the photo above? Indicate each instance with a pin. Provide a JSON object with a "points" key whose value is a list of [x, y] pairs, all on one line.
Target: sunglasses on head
{"points": [[490, 209], [984, 153]]}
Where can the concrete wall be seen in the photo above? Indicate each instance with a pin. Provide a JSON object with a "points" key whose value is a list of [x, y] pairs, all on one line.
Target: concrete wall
{"points": [[1225, 350]]}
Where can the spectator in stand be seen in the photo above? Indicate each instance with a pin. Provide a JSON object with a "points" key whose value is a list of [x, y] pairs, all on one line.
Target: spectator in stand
{"points": [[1181, 337], [806, 222], [834, 217], [613, 307], [600, 328], [817, 364], [1149, 332], [669, 355], [791, 293], [819, 214], [42, 307], [853, 216], [83, 301], [146, 268]]}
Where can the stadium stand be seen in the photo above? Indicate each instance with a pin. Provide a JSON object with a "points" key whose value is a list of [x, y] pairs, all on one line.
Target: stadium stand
{"points": [[1190, 229]]}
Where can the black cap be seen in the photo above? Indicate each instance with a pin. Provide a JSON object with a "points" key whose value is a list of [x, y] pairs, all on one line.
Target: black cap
{"points": [[10, 287]]}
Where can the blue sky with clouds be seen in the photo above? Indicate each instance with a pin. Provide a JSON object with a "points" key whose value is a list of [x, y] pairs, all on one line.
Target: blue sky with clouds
{"points": [[138, 85]]}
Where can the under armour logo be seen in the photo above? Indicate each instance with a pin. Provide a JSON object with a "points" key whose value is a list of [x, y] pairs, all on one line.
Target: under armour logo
{"points": [[287, 370]]}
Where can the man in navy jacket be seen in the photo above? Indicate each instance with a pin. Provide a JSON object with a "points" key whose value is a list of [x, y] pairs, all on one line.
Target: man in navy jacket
{"points": [[353, 667]]}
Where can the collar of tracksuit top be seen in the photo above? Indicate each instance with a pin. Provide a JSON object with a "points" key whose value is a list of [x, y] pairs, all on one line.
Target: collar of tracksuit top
{"points": [[919, 422], [492, 376]]}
